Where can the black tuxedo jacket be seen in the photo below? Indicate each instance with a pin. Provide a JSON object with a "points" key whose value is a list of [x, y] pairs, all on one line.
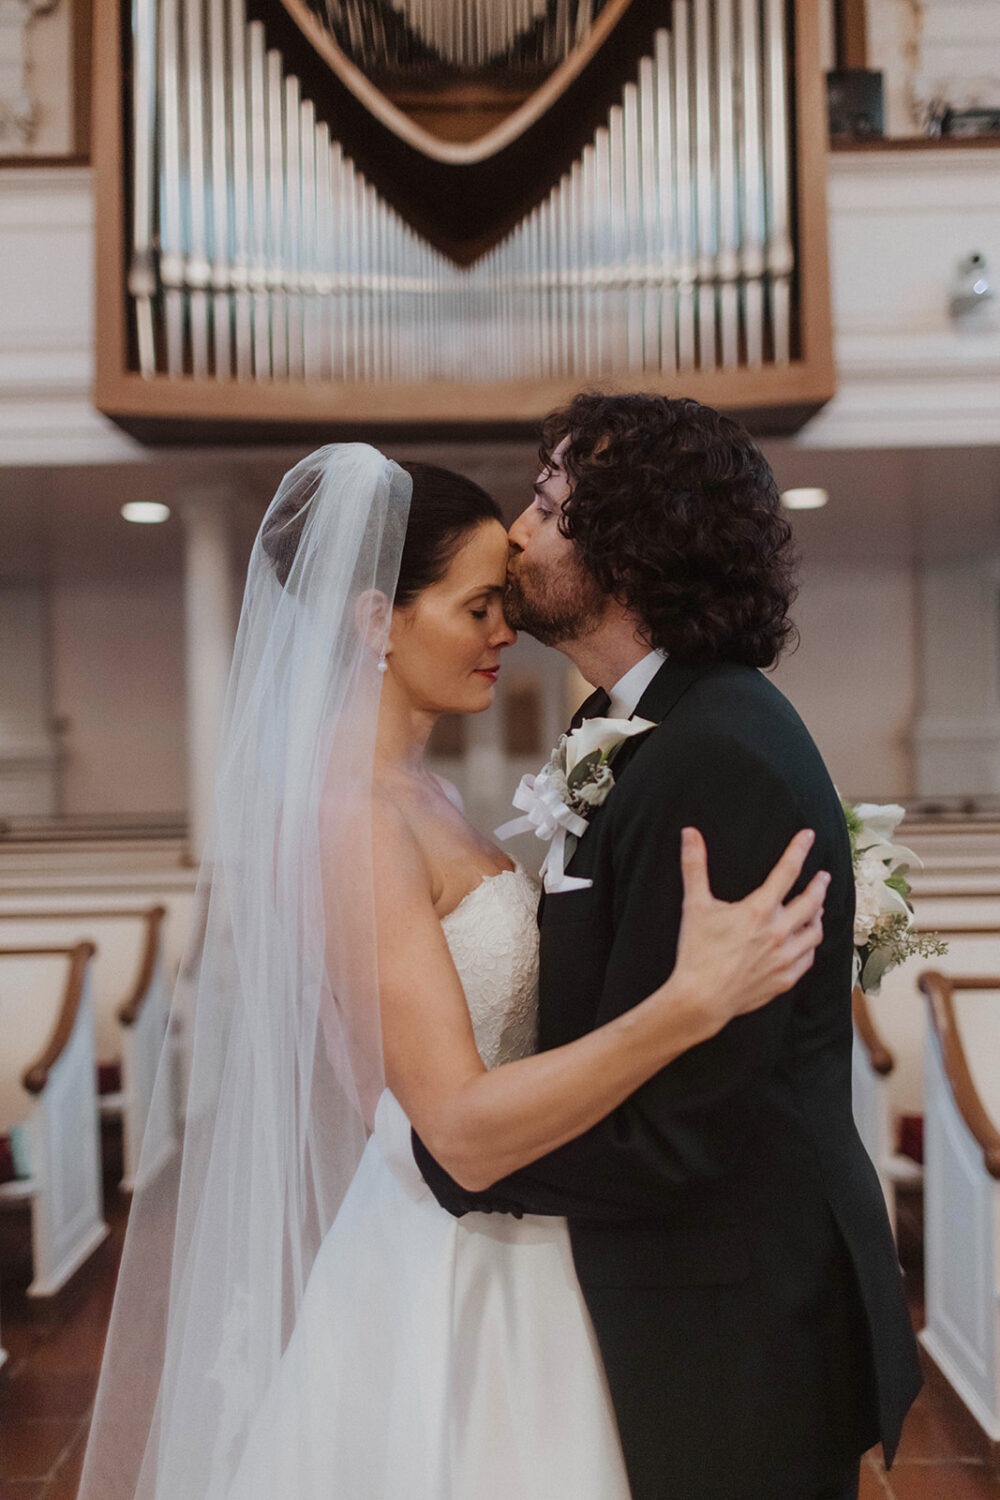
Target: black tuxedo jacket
{"points": [[728, 1228]]}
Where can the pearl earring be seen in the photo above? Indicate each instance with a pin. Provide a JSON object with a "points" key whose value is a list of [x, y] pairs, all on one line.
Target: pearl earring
{"points": [[383, 665]]}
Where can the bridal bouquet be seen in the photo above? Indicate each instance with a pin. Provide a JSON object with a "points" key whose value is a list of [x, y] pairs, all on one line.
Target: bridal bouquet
{"points": [[883, 918]]}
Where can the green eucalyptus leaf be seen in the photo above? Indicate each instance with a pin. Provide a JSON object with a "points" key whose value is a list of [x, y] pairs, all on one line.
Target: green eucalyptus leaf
{"points": [[583, 770], [878, 962], [898, 882]]}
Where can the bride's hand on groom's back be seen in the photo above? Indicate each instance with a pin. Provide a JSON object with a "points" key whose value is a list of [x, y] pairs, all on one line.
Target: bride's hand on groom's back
{"points": [[733, 957]]}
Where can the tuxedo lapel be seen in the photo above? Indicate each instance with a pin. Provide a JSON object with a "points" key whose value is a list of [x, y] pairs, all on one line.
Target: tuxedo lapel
{"points": [[667, 688], [662, 695], [594, 707]]}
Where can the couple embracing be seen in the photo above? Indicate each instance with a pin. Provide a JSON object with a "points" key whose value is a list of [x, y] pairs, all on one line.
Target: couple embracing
{"points": [[486, 1194]]}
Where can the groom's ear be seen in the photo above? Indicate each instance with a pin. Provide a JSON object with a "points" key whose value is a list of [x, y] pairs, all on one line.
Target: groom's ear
{"points": [[373, 616]]}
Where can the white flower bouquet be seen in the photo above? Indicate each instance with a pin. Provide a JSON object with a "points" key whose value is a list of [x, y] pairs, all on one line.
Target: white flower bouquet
{"points": [[883, 918]]}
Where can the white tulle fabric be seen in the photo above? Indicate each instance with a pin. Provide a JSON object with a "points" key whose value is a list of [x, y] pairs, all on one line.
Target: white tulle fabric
{"points": [[285, 1066], [436, 1358]]}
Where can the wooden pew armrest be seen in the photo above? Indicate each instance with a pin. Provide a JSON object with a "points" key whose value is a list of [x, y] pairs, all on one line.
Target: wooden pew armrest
{"points": [[939, 990]]}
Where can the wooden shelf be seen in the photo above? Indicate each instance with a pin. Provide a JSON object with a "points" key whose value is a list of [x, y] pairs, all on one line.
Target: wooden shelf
{"points": [[916, 143]]}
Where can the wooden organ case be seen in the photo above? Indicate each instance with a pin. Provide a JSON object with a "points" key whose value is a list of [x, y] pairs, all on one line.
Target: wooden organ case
{"points": [[329, 216]]}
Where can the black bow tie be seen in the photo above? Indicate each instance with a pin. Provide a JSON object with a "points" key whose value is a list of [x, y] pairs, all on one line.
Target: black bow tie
{"points": [[594, 707]]}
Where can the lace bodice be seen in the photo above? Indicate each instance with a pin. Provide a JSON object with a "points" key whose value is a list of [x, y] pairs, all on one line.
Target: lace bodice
{"points": [[493, 938]]}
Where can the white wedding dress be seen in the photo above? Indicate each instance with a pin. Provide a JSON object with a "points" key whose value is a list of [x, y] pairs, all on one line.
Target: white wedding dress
{"points": [[437, 1358]]}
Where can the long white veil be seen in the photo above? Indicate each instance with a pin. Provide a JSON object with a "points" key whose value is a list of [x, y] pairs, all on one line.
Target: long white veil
{"points": [[285, 1054]]}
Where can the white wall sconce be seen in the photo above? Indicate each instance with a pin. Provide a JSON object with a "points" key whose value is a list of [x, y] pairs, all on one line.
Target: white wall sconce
{"points": [[805, 497], [145, 512], [972, 296]]}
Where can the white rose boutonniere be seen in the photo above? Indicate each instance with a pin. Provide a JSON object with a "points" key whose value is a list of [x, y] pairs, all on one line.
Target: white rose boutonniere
{"points": [[575, 780]]}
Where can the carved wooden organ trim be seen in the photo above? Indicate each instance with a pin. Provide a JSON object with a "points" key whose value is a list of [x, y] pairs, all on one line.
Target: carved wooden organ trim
{"points": [[284, 246]]}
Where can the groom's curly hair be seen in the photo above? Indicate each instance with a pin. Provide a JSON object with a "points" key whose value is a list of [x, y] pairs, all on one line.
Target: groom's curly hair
{"points": [[675, 512]]}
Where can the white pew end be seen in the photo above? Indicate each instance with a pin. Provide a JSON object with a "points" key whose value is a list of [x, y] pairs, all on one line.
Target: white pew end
{"points": [[875, 1115], [47, 1087], [962, 1188], [131, 994]]}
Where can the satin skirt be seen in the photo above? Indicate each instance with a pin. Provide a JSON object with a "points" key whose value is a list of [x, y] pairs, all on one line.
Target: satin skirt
{"points": [[435, 1358]]}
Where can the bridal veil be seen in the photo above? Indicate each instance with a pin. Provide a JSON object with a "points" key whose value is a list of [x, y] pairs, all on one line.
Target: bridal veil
{"points": [[281, 1018]]}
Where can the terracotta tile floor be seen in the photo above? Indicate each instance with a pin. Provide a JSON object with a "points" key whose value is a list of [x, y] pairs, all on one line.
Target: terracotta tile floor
{"points": [[54, 1348]]}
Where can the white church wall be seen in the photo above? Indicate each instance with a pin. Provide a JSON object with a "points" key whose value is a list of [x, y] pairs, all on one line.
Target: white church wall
{"points": [[118, 678], [853, 677], [907, 374], [29, 751]]}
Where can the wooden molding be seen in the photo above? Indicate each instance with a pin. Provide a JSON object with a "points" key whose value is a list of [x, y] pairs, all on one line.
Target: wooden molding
{"points": [[128, 1012], [879, 1055], [152, 916], [939, 990], [851, 33], [36, 1075], [83, 26], [111, 340], [406, 128]]}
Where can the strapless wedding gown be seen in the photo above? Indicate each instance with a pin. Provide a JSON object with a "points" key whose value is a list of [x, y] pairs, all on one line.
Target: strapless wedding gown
{"points": [[437, 1358]]}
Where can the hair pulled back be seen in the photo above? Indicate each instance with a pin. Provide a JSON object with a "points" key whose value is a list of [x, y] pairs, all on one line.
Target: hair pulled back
{"points": [[444, 508]]}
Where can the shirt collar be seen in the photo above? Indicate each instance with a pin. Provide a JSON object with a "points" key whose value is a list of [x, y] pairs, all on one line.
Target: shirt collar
{"points": [[629, 689]]}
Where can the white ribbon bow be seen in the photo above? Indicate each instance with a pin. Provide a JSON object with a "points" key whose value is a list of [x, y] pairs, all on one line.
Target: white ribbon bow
{"points": [[548, 817]]}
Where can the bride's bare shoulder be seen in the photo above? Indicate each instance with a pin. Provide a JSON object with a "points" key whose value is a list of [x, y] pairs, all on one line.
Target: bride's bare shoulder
{"points": [[397, 853], [451, 791], [371, 824]]}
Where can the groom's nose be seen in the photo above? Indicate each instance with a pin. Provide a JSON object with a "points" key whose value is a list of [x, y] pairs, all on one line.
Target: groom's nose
{"points": [[517, 536]]}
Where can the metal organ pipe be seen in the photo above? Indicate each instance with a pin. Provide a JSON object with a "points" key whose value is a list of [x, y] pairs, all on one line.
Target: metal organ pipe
{"points": [[260, 253]]}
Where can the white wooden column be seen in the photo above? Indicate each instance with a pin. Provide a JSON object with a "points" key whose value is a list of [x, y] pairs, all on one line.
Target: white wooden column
{"points": [[30, 751], [957, 734], [210, 628], [487, 793]]}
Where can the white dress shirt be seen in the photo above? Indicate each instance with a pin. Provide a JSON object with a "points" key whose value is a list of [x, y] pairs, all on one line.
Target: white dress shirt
{"points": [[628, 690]]}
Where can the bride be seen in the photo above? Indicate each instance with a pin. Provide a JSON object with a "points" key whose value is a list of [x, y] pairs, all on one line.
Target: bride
{"points": [[296, 1317]]}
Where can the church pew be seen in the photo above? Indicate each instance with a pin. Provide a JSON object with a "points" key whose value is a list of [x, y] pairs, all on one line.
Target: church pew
{"points": [[885, 1094], [872, 1066], [47, 1091], [131, 991], [962, 1188]]}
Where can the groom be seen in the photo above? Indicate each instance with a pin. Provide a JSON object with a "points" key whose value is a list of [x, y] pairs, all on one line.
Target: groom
{"points": [[728, 1229]]}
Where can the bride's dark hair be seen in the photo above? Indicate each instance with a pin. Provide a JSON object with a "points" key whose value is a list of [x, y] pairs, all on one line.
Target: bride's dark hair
{"points": [[444, 507]]}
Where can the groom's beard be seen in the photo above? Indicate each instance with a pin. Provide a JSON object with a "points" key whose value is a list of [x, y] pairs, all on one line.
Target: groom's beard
{"points": [[553, 606]]}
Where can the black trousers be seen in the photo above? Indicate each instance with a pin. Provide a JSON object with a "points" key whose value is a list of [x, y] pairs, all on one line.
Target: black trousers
{"points": [[846, 1491]]}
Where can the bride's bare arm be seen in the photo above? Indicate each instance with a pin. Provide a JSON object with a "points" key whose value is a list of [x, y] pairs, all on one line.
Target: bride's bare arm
{"points": [[480, 1124]]}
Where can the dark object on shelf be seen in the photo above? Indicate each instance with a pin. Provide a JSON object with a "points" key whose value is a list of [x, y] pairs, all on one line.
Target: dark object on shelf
{"points": [[854, 103], [966, 123]]}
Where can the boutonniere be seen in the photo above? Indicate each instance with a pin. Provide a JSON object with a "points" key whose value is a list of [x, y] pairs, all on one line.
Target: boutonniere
{"points": [[576, 779], [883, 913]]}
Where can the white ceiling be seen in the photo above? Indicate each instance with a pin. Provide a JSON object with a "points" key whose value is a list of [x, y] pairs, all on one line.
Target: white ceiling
{"points": [[63, 521]]}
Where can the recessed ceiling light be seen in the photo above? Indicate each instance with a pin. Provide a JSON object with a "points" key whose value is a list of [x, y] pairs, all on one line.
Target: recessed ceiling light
{"points": [[147, 512], [804, 499]]}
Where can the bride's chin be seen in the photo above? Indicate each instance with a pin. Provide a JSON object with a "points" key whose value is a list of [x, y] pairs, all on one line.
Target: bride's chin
{"points": [[478, 705]]}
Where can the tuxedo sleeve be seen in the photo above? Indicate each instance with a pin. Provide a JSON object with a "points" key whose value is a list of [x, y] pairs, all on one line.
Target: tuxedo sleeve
{"points": [[692, 1120]]}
